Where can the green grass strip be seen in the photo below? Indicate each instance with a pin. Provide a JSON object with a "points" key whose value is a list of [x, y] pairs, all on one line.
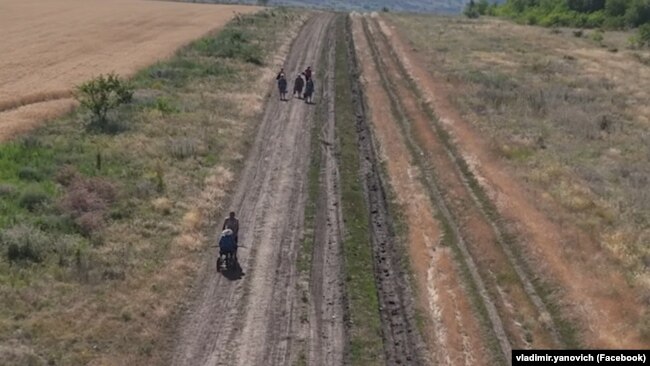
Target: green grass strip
{"points": [[365, 344]]}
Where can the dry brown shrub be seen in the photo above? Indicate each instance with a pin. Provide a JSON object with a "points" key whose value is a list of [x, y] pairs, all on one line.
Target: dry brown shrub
{"points": [[162, 205], [66, 175], [192, 220], [87, 201], [90, 223]]}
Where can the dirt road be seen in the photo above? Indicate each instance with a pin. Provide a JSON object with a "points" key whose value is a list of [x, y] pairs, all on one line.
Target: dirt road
{"points": [[327, 330], [502, 290], [254, 320]]}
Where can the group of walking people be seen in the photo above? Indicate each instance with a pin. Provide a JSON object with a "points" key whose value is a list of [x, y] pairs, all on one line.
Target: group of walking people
{"points": [[303, 81]]}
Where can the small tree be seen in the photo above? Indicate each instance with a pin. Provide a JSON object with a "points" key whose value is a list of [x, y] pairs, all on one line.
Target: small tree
{"points": [[644, 34], [471, 10], [482, 7], [102, 94]]}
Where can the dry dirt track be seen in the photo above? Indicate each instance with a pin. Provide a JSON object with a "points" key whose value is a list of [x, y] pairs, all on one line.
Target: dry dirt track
{"points": [[47, 47], [255, 320], [514, 310]]}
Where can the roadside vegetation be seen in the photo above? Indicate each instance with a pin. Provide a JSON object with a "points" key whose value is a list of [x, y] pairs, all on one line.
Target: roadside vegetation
{"points": [[602, 14], [102, 229], [567, 114]]}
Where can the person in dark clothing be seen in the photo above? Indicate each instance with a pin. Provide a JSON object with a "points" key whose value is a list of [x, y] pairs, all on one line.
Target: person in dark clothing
{"points": [[227, 243], [280, 74], [282, 86], [309, 91], [233, 224], [298, 84], [308, 74]]}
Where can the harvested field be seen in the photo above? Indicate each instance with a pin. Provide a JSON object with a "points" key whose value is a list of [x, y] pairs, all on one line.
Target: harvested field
{"points": [[48, 47]]}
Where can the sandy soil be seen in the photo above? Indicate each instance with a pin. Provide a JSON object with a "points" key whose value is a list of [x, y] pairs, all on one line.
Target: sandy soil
{"points": [[253, 318], [48, 47]]}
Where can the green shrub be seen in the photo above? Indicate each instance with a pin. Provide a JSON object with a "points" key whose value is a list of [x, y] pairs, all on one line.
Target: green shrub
{"points": [[471, 10], [25, 243], [55, 223], [101, 95], [33, 197], [644, 34], [165, 106], [29, 173], [597, 36], [31, 142], [231, 43]]}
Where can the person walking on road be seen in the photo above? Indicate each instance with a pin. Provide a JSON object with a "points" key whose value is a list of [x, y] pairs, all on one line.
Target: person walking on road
{"points": [[282, 87], [233, 224], [298, 85], [309, 91], [282, 84], [308, 73]]}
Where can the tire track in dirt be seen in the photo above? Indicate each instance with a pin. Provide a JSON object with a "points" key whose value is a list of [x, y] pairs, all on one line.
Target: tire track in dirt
{"points": [[252, 321], [403, 344], [327, 329], [455, 336], [519, 308], [583, 279]]}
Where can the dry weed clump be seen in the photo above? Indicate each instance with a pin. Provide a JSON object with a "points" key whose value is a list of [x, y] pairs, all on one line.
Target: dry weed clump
{"points": [[87, 201], [162, 205]]}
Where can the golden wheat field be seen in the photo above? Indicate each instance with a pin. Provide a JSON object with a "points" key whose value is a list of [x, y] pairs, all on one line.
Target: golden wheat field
{"points": [[48, 47]]}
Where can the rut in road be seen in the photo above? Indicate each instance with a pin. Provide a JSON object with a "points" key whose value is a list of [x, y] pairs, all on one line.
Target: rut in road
{"points": [[327, 338], [403, 343], [254, 321], [453, 330], [516, 313]]}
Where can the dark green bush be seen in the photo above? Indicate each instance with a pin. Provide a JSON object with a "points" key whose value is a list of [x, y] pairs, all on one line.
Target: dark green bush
{"points": [[231, 43], [32, 197], [101, 95], [29, 173], [644, 34], [25, 243], [612, 14]]}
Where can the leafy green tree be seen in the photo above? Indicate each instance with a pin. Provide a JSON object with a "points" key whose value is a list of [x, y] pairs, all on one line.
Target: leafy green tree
{"points": [[586, 6], [616, 8], [102, 94], [637, 13], [644, 34], [611, 14], [471, 10], [482, 7]]}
